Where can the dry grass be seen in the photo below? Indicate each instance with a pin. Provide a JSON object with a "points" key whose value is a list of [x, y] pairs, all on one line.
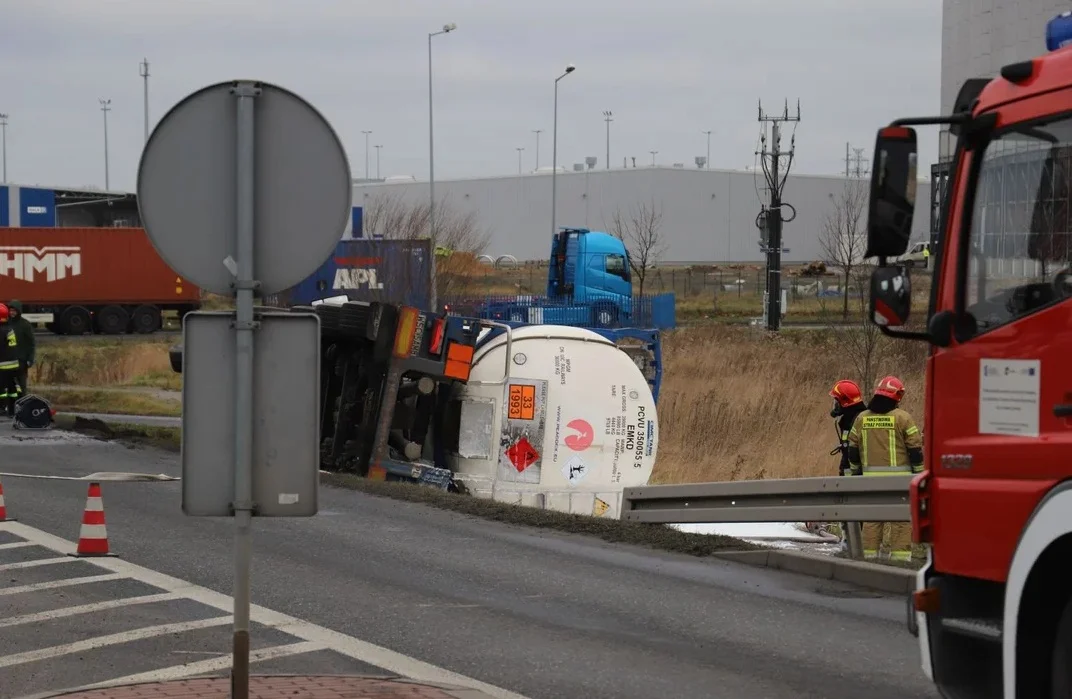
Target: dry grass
{"points": [[739, 404], [102, 362], [113, 402]]}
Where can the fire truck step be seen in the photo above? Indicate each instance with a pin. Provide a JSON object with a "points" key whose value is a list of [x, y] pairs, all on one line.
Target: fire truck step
{"points": [[981, 628]]}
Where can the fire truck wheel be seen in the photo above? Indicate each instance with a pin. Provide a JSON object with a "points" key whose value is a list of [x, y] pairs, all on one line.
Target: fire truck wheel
{"points": [[1061, 663]]}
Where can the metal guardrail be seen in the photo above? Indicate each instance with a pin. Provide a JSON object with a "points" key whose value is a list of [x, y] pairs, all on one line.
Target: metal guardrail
{"points": [[835, 499]]}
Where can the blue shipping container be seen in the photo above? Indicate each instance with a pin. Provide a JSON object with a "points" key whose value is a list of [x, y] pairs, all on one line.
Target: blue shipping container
{"points": [[37, 208], [393, 271], [5, 210]]}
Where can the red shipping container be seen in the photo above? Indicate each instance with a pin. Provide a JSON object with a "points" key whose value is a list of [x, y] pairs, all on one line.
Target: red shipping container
{"points": [[88, 267]]}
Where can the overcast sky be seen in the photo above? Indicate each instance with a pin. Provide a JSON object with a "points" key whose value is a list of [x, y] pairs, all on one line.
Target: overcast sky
{"points": [[668, 70]]}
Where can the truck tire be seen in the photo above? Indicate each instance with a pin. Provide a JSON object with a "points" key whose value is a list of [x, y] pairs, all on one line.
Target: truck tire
{"points": [[1061, 662], [75, 320], [112, 320], [145, 319]]}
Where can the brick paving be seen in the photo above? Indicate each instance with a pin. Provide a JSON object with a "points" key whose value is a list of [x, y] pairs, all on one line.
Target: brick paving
{"points": [[280, 686]]}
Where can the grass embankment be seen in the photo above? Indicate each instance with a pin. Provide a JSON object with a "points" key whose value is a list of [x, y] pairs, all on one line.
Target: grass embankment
{"points": [[107, 376]]}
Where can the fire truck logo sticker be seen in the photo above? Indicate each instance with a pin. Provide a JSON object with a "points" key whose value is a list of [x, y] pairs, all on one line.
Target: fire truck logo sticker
{"points": [[27, 263]]}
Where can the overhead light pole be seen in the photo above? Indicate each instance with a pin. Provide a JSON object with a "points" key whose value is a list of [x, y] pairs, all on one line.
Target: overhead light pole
{"points": [[366, 154], [143, 70], [708, 148], [537, 132], [554, 155], [3, 144], [105, 106], [653, 153], [378, 160], [520, 150], [447, 28], [607, 114]]}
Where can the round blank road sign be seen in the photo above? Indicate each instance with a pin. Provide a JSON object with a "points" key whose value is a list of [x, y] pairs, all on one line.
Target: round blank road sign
{"points": [[187, 188]]}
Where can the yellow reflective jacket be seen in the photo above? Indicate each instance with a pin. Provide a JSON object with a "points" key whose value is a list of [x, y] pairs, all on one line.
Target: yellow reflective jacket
{"points": [[9, 358], [883, 441]]}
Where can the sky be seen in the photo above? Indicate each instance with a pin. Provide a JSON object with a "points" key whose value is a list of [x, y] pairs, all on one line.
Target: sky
{"points": [[668, 71]]}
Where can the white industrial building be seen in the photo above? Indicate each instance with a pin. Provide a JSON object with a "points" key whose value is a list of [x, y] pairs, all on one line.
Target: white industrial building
{"points": [[707, 215], [981, 36]]}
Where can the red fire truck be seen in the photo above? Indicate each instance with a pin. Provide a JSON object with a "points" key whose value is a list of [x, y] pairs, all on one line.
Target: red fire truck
{"points": [[993, 604]]}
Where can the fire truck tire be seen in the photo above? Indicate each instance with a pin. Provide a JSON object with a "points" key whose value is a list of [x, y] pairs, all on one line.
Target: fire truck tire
{"points": [[1061, 663]]}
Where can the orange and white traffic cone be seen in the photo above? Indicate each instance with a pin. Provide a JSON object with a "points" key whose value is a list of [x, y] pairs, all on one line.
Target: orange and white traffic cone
{"points": [[93, 538], [3, 508]]}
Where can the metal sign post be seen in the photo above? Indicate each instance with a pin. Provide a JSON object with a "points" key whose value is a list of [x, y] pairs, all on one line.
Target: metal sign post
{"points": [[245, 189]]}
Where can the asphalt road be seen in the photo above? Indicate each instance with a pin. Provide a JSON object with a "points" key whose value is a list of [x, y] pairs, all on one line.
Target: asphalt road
{"points": [[543, 615]]}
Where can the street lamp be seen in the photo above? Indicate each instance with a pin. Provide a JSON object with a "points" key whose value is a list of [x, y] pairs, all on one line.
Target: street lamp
{"points": [[519, 152], [608, 117], [366, 154], [708, 161], [653, 153], [105, 108], [554, 155], [537, 132], [447, 28], [3, 144], [378, 160]]}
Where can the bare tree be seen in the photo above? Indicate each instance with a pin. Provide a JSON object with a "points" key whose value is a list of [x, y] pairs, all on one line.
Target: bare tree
{"points": [[860, 341], [459, 238], [641, 231], [844, 235]]}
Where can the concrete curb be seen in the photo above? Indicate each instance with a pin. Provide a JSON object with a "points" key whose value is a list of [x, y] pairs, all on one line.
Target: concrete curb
{"points": [[874, 576]]}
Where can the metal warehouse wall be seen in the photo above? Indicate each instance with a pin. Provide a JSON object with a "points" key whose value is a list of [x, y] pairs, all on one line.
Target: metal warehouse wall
{"points": [[980, 36], [708, 215]]}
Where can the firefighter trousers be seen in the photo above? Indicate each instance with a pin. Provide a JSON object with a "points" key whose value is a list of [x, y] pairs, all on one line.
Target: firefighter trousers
{"points": [[10, 391], [890, 541]]}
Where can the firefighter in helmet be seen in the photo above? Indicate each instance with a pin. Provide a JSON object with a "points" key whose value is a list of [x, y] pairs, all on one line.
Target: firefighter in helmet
{"points": [[848, 403], [885, 441], [9, 363]]}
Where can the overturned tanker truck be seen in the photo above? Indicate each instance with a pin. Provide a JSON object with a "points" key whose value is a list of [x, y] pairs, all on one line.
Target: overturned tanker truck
{"points": [[547, 416]]}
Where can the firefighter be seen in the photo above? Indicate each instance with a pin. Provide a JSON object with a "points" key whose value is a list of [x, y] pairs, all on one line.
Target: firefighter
{"points": [[24, 335], [9, 362], [848, 403], [885, 441]]}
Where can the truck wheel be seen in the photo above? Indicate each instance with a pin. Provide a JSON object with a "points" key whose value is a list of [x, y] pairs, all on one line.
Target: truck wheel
{"points": [[605, 315], [112, 320], [145, 320], [75, 320], [1061, 662]]}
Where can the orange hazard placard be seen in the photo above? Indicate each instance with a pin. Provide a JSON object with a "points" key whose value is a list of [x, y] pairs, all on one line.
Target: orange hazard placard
{"points": [[522, 402]]}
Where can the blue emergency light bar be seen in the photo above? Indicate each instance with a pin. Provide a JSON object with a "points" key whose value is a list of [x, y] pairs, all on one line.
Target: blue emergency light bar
{"points": [[1059, 31]]}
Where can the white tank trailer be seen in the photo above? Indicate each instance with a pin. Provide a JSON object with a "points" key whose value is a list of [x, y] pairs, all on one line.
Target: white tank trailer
{"points": [[562, 420]]}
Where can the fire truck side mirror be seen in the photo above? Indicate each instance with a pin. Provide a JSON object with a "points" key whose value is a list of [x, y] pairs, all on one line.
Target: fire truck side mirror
{"points": [[893, 192], [891, 296]]}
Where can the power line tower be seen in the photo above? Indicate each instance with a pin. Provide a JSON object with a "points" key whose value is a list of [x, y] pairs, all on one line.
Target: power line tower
{"points": [[854, 163], [772, 219]]}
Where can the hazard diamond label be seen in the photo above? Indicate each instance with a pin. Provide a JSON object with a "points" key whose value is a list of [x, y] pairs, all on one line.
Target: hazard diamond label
{"points": [[522, 454]]}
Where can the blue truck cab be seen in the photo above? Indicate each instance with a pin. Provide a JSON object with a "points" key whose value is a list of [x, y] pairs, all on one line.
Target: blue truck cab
{"points": [[591, 268]]}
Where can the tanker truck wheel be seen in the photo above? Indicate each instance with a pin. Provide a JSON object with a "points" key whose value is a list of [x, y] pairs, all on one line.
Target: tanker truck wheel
{"points": [[1061, 663]]}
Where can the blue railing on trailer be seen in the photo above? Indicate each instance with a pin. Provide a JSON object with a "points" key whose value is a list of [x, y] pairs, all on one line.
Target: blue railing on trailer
{"points": [[648, 311]]}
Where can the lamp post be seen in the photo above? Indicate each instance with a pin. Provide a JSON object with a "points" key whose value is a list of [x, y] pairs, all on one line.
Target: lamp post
{"points": [[143, 70], [520, 150], [608, 117], [105, 108], [378, 160], [3, 144], [708, 165], [554, 155], [653, 154], [366, 154], [447, 28], [537, 132]]}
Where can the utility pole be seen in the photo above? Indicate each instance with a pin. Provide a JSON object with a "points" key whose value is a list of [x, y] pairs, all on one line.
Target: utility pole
{"points": [[607, 118], [519, 152], [378, 160], [857, 157], [447, 28], [708, 162], [105, 108], [776, 176], [143, 70], [537, 132], [3, 144], [366, 154]]}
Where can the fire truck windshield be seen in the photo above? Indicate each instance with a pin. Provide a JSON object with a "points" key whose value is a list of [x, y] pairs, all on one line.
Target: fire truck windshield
{"points": [[1021, 222]]}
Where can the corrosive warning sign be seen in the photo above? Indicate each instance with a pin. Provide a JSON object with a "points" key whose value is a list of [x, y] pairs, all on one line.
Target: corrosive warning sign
{"points": [[522, 454], [522, 402]]}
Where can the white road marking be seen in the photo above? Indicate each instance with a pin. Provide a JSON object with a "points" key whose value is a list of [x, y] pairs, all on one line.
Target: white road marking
{"points": [[111, 640], [210, 665], [35, 564], [362, 651], [87, 609], [53, 584], [16, 545]]}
